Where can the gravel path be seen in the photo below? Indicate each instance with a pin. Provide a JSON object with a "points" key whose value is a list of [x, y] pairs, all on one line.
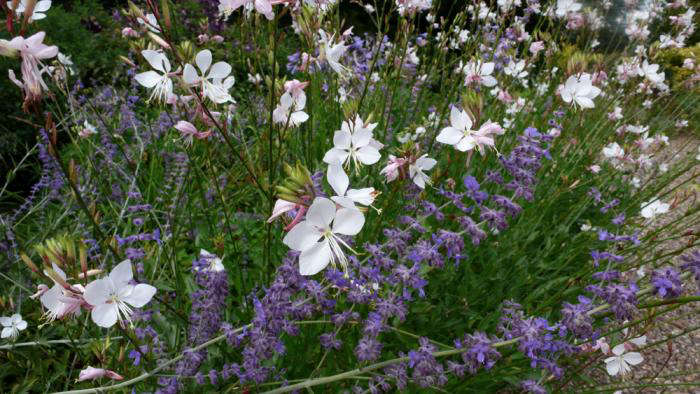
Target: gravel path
{"points": [[674, 365]]}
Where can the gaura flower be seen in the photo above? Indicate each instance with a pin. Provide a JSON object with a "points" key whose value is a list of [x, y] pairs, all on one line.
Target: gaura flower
{"points": [[215, 81], [32, 50], [579, 90], [354, 142], [226, 7], [462, 137], [391, 171], [566, 6], [87, 130], [478, 73], [113, 296], [317, 237], [345, 197], [613, 151], [621, 361], [12, 325], [415, 170], [150, 22], [332, 52], [516, 69], [651, 209], [91, 373], [61, 300], [161, 83], [189, 132], [39, 11], [290, 110]]}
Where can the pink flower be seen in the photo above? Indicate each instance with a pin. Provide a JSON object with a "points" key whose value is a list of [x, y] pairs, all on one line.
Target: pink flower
{"points": [[281, 207], [91, 373], [189, 131], [536, 47], [391, 171], [32, 50]]}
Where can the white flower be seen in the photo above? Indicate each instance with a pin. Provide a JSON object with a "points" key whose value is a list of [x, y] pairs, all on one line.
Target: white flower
{"points": [[354, 142], [516, 70], [332, 52], [580, 90], [318, 240], [290, 109], [214, 262], [345, 197], [112, 297], [478, 73], [87, 130], [621, 361], [650, 72], [566, 6], [39, 9], [11, 326], [150, 22], [161, 83], [652, 208], [415, 170], [613, 151], [462, 137], [215, 81], [59, 301]]}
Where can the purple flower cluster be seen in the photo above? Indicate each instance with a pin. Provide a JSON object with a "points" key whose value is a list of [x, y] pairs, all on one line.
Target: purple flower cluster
{"points": [[208, 304], [667, 283]]}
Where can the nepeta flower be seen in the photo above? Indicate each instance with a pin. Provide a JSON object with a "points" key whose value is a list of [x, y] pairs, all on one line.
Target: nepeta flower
{"points": [[318, 241], [215, 82], [354, 142], [113, 296], [161, 83], [415, 170], [11, 326], [579, 90], [462, 137], [667, 283], [621, 361]]}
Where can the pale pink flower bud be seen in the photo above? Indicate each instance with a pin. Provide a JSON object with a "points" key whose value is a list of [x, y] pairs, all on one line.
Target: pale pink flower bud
{"points": [[202, 38], [129, 32], [217, 38], [536, 47], [91, 373]]}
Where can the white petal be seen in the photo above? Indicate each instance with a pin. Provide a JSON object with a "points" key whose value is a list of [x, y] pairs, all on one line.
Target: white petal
{"points": [[315, 258], [105, 315], [121, 274], [584, 102], [426, 163], [220, 70], [157, 60], [302, 236], [612, 365], [368, 155], [487, 68], [321, 212], [141, 295], [361, 137], [6, 332], [338, 179], [44, 5], [459, 119], [362, 196], [23, 324], [619, 349], [633, 358], [203, 60], [489, 81], [342, 139], [348, 221], [97, 292], [467, 143], [6, 321], [189, 74], [336, 155], [298, 118], [148, 79], [641, 341], [16, 318], [419, 179], [450, 136]]}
